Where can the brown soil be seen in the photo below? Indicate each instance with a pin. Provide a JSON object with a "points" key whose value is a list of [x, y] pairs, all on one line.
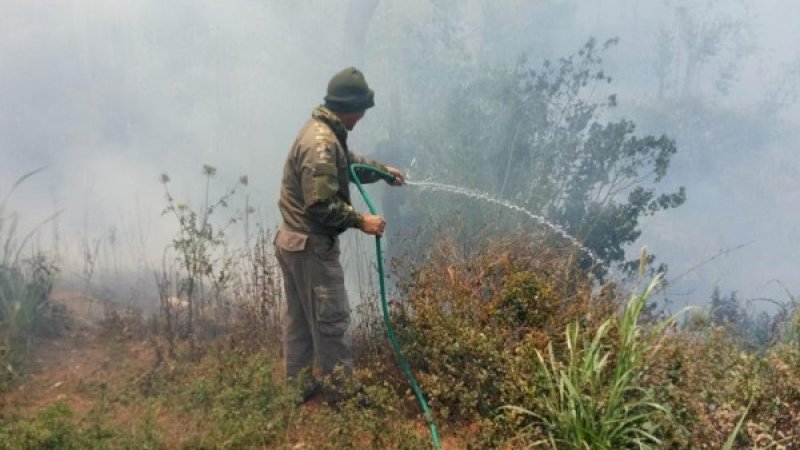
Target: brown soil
{"points": [[91, 367], [87, 368]]}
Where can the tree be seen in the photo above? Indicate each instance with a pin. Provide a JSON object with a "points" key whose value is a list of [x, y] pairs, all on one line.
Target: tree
{"points": [[726, 310], [708, 38], [540, 138]]}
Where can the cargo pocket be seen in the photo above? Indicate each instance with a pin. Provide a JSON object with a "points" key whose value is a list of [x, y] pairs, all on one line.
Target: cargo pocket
{"points": [[333, 310], [326, 247], [290, 241]]}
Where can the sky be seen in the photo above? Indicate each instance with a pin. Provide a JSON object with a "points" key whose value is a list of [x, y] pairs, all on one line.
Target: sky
{"points": [[107, 95]]}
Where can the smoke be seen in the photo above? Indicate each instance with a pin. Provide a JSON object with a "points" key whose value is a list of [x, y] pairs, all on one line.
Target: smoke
{"points": [[110, 94]]}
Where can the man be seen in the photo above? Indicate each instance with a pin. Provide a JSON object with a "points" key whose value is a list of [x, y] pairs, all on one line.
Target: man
{"points": [[316, 209]]}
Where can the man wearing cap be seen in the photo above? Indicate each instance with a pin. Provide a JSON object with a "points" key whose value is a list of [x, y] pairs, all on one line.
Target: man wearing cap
{"points": [[316, 209]]}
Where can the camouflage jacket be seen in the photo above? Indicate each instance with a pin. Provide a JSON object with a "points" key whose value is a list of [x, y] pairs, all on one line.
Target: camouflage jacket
{"points": [[315, 190]]}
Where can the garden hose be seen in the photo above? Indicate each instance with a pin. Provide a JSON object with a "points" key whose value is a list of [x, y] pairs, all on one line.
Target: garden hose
{"points": [[426, 411]]}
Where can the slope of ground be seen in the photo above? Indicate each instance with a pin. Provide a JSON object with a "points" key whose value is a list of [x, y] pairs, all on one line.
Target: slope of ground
{"points": [[133, 396]]}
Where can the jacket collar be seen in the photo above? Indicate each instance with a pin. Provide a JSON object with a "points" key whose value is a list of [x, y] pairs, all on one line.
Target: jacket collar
{"points": [[327, 116]]}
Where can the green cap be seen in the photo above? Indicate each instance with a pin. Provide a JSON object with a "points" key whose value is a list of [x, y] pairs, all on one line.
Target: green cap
{"points": [[348, 92]]}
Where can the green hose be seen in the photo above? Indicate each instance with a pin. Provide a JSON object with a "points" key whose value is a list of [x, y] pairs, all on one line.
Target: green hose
{"points": [[426, 411]]}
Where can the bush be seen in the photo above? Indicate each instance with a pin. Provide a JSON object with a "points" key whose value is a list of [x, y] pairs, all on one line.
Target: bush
{"points": [[390, 421], [473, 323], [708, 381], [591, 392], [514, 324], [57, 428], [247, 406]]}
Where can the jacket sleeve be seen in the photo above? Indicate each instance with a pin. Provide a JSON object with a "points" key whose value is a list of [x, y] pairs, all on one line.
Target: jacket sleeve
{"points": [[367, 176], [320, 185]]}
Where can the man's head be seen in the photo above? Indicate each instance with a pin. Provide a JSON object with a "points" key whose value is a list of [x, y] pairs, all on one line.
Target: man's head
{"points": [[349, 96]]}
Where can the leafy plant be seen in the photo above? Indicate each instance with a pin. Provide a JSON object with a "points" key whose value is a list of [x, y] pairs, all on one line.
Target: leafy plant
{"points": [[591, 392], [200, 249], [250, 408], [546, 144], [472, 322], [58, 427]]}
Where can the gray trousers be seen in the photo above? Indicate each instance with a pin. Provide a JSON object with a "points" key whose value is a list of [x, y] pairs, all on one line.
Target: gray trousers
{"points": [[317, 309]]}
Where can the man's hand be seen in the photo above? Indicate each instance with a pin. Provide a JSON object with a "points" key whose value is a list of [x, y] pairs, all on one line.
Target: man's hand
{"points": [[373, 225], [399, 177]]}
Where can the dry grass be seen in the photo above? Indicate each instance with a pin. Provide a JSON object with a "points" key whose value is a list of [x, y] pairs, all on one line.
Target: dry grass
{"points": [[471, 322]]}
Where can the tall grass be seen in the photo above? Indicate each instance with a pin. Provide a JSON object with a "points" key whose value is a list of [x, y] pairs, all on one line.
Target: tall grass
{"points": [[226, 286], [591, 395], [25, 284]]}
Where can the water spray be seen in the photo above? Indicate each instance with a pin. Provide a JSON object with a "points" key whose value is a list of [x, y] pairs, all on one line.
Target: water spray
{"points": [[558, 229]]}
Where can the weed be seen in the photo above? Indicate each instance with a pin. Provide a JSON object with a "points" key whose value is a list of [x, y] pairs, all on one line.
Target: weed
{"points": [[25, 285], [231, 394], [56, 427], [591, 393], [201, 252], [387, 422], [471, 320], [257, 291]]}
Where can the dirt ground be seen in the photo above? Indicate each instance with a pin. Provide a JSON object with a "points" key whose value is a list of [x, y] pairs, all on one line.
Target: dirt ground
{"points": [[80, 366], [90, 369]]}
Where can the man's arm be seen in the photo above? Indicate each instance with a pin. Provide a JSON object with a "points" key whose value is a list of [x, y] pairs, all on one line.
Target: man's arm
{"points": [[320, 184], [368, 176]]}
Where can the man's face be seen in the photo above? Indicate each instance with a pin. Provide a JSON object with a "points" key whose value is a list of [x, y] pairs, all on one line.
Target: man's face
{"points": [[351, 119]]}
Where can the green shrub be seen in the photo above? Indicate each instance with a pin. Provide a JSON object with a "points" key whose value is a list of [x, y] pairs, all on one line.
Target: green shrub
{"points": [[53, 428], [248, 407], [591, 391], [472, 325], [57, 428], [708, 379], [387, 423]]}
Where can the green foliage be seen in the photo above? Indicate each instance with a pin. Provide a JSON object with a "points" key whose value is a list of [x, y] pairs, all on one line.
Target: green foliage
{"points": [[57, 428], [756, 330], [725, 310], [592, 394], [473, 323], [24, 290], [510, 325], [248, 407], [544, 142], [708, 378], [388, 422], [786, 322], [25, 285], [53, 428], [702, 38]]}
